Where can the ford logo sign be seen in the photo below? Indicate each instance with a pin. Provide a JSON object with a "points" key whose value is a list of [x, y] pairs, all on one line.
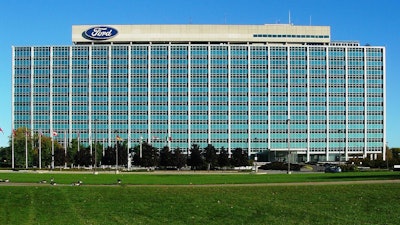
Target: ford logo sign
{"points": [[100, 33]]}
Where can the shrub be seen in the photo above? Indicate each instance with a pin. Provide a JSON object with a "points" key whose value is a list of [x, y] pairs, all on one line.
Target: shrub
{"points": [[280, 166], [349, 168]]}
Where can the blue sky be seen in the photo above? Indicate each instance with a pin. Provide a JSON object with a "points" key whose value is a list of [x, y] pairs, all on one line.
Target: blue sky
{"points": [[49, 22]]}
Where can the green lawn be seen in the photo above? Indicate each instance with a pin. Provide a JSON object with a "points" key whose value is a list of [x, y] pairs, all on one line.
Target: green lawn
{"points": [[179, 178], [320, 204], [199, 204]]}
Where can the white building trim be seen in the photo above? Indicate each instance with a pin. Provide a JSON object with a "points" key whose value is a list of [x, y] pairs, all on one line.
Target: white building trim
{"points": [[328, 137], [189, 87], [250, 140], [308, 105]]}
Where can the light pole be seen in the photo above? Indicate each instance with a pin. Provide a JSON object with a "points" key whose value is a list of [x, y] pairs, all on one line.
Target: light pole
{"points": [[288, 145]]}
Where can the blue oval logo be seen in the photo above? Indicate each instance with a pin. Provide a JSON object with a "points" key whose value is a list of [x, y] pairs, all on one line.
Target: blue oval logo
{"points": [[101, 33]]}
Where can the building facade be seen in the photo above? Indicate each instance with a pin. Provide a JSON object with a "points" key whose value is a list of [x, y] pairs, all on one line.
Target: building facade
{"points": [[263, 88]]}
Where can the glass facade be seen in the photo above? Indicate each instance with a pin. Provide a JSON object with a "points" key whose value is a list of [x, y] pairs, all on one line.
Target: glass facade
{"points": [[228, 95]]}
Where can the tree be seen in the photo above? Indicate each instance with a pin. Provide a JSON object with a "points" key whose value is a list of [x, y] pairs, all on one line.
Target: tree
{"points": [[239, 158], [395, 153], [179, 158], [136, 156], [83, 157], [72, 151], [24, 139], [59, 156], [223, 158], [210, 156], [166, 158], [5, 156], [196, 160], [150, 155], [122, 153], [109, 156], [98, 153], [45, 144]]}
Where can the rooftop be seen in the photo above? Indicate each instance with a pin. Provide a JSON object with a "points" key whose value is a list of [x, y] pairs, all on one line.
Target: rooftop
{"points": [[267, 33]]}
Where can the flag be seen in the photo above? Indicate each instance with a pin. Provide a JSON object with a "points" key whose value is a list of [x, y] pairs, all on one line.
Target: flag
{"points": [[1, 130], [14, 132], [168, 138], [156, 138], [54, 133], [119, 138]]}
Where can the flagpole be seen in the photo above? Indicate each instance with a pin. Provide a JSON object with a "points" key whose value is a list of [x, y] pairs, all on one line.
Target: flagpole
{"points": [[129, 158], [65, 148], [40, 149], [52, 151], [116, 155], [140, 153], [26, 148]]}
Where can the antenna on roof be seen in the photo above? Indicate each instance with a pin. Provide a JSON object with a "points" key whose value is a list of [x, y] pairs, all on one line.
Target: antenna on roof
{"points": [[310, 20], [290, 22]]}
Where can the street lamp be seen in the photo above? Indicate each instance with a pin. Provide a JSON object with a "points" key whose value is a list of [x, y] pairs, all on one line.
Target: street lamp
{"points": [[288, 145]]}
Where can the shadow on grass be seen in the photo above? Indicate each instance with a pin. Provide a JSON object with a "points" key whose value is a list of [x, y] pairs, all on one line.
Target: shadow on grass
{"points": [[362, 177]]}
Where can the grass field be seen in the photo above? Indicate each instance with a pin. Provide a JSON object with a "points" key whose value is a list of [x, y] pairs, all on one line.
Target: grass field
{"points": [[192, 178], [199, 204]]}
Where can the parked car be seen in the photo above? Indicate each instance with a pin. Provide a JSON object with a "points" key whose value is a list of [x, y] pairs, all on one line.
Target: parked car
{"points": [[333, 169]]}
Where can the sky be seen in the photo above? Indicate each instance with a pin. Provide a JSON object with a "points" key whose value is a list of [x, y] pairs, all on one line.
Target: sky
{"points": [[49, 22]]}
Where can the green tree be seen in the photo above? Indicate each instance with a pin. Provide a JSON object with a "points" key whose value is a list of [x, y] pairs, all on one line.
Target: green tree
{"points": [[166, 158], [98, 147], [210, 156], [25, 139], [22, 141], [395, 153], [72, 151], [239, 158], [136, 160], [150, 156], [179, 158], [5, 156], [83, 157], [196, 160], [109, 156], [223, 158], [59, 156], [46, 151], [122, 153]]}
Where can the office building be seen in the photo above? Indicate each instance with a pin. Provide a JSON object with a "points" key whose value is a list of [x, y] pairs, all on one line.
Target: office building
{"points": [[263, 88]]}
